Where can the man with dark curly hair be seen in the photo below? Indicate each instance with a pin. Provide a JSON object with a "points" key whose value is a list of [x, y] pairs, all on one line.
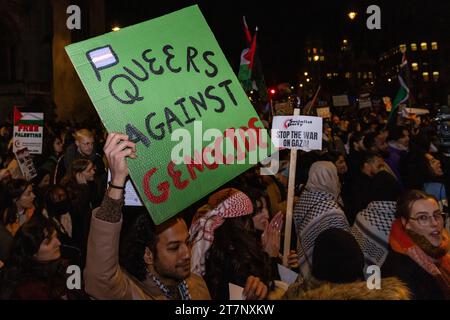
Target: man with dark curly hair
{"points": [[158, 258]]}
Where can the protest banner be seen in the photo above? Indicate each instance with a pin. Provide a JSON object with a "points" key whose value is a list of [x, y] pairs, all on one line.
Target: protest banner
{"points": [[324, 112], [26, 164], [167, 84], [364, 101], [340, 101], [28, 131], [297, 132]]}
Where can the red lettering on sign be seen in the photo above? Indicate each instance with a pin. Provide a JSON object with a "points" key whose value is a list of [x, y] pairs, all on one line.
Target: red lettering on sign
{"points": [[163, 187], [251, 124], [176, 175]]}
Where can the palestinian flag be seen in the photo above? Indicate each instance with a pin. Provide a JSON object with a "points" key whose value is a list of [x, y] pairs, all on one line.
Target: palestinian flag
{"points": [[28, 118], [247, 58], [403, 93]]}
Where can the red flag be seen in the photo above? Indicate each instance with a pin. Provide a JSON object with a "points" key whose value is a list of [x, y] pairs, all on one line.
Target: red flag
{"points": [[248, 35], [251, 52], [17, 115]]}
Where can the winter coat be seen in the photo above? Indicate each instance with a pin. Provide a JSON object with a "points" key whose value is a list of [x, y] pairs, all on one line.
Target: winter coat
{"points": [[106, 279], [390, 289]]}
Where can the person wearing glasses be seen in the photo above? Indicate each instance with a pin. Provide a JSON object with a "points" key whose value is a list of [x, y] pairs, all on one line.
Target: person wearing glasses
{"points": [[419, 247]]}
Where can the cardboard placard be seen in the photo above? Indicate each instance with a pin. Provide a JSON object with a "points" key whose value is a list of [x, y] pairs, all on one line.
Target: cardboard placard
{"points": [[167, 84]]}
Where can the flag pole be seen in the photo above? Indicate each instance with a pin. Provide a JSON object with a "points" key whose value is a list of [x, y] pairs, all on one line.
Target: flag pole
{"points": [[290, 201], [313, 101]]}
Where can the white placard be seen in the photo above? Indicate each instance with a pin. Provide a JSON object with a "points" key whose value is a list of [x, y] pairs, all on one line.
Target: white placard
{"points": [[131, 196], [235, 292], [340, 101], [28, 131], [364, 101], [297, 132], [26, 164], [287, 275]]}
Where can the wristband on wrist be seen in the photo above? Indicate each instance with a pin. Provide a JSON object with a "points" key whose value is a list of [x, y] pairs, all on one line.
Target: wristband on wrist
{"points": [[116, 187]]}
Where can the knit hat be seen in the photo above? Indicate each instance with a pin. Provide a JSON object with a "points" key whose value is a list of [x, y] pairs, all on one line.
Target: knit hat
{"points": [[226, 203], [337, 257]]}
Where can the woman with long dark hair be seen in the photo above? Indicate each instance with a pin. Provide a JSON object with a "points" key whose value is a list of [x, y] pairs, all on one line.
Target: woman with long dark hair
{"points": [[421, 170], [20, 207], [226, 248], [53, 149], [35, 270], [81, 191]]}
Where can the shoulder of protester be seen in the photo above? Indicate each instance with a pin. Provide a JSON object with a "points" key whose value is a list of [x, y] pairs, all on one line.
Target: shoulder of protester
{"points": [[390, 289]]}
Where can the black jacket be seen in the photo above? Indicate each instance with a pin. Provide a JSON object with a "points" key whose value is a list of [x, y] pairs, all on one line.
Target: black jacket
{"points": [[422, 284]]}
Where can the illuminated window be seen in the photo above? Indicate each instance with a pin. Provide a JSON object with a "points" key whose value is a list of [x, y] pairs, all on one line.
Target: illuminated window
{"points": [[316, 58], [435, 75], [315, 50], [329, 75], [335, 74], [370, 75], [434, 46], [347, 75], [309, 59], [364, 75], [359, 75], [426, 76], [322, 58], [308, 50], [423, 46], [415, 66], [402, 47], [413, 46]]}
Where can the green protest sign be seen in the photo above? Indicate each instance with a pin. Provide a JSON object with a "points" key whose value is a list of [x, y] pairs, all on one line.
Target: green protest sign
{"points": [[167, 84]]}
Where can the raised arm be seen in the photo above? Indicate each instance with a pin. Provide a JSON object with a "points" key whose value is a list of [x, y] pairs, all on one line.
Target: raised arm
{"points": [[103, 276]]}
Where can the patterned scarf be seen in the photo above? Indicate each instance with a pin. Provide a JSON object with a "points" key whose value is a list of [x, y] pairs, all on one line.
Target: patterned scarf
{"points": [[314, 213], [227, 203], [402, 242], [183, 288], [371, 229]]}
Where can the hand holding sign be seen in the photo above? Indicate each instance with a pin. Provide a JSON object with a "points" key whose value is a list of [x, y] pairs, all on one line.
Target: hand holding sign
{"points": [[117, 148], [254, 289]]}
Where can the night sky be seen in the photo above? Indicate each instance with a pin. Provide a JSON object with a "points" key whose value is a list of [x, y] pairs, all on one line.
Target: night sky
{"points": [[285, 26]]}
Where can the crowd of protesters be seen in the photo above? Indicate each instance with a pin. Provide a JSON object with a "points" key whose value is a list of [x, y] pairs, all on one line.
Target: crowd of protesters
{"points": [[376, 194]]}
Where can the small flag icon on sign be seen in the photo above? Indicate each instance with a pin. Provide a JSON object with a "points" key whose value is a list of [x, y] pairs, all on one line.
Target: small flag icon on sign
{"points": [[102, 58]]}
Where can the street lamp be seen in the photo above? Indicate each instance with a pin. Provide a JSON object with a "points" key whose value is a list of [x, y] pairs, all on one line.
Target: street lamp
{"points": [[115, 28], [352, 15], [306, 74]]}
